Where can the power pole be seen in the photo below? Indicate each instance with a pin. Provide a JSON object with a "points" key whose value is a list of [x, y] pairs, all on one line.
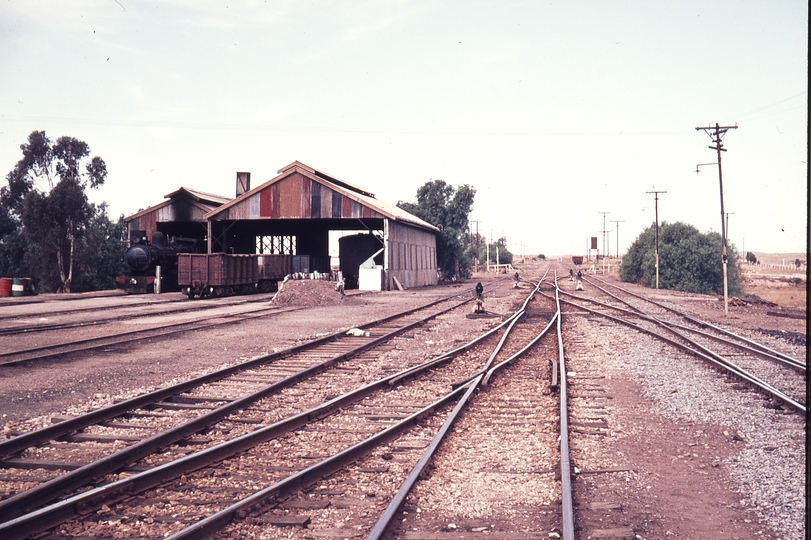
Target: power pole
{"points": [[488, 249], [656, 246], [617, 222], [717, 133], [603, 231], [476, 258]]}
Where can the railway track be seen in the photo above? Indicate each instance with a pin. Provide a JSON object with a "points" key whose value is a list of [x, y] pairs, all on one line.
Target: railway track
{"points": [[107, 340], [374, 443], [654, 426], [396, 410], [23, 323], [774, 373], [191, 406], [73, 304]]}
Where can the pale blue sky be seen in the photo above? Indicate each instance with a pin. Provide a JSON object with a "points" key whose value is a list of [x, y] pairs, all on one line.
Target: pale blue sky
{"points": [[554, 111]]}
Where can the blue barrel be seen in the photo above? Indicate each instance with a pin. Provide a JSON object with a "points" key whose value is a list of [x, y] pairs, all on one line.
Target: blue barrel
{"points": [[17, 287]]}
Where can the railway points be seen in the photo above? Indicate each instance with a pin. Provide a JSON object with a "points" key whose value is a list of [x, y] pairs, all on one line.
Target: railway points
{"points": [[641, 434]]}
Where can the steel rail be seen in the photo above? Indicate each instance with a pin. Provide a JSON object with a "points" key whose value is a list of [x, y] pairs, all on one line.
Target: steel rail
{"points": [[136, 335], [386, 520], [133, 335], [185, 307], [727, 364], [521, 352], [31, 438], [57, 513], [119, 490], [28, 301], [701, 323], [468, 345], [215, 522], [782, 359], [51, 489], [567, 508], [710, 356]]}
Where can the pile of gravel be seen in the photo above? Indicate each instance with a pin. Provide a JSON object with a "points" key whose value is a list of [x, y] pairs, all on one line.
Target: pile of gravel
{"points": [[308, 293]]}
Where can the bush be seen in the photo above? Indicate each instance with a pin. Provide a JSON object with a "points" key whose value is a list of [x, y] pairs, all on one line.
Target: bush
{"points": [[688, 261]]}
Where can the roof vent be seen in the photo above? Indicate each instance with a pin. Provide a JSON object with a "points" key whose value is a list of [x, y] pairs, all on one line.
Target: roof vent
{"points": [[243, 183]]}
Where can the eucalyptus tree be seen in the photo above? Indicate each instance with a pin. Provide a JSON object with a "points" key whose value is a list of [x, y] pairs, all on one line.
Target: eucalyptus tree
{"points": [[447, 208], [46, 191]]}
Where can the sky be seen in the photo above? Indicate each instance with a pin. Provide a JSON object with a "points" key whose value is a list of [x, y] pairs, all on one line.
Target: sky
{"points": [[562, 115]]}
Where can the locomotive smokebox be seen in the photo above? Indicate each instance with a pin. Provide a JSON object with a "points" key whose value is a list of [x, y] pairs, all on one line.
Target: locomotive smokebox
{"points": [[138, 258]]}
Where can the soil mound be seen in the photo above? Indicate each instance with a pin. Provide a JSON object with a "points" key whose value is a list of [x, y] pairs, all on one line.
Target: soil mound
{"points": [[307, 292]]}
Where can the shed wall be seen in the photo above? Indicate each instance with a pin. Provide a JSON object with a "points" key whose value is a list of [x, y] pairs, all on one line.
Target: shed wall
{"points": [[411, 256]]}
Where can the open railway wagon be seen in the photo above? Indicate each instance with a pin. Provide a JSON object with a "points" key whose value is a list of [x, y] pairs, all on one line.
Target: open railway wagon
{"points": [[221, 274]]}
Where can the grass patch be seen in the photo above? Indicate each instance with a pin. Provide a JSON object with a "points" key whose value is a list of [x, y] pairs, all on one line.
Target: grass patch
{"points": [[789, 293]]}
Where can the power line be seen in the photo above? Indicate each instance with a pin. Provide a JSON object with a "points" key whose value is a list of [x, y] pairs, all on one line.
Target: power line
{"points": [[753, 111]]}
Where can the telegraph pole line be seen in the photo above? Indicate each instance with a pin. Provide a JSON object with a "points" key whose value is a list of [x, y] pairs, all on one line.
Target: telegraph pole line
{"points": [[476, 259], [717, 133], [617, 222], [656, 245], [604, 230]]}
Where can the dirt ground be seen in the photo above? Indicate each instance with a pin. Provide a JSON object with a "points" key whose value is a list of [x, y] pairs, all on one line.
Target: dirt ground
{"points": [[788, 288], [680, 485]]}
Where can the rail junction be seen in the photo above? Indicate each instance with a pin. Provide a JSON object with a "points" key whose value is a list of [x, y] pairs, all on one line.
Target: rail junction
{"points": [[425, 423]]}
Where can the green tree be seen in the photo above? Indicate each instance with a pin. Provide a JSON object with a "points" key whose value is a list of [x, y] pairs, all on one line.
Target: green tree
{"points": [[100, 253], [46, 191], [688, 260], [13, 245], [447, 208], [498, 252]]}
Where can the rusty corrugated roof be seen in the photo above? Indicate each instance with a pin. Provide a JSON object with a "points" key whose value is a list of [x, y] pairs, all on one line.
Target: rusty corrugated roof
{"points": [[361, 195], [205, 201]]}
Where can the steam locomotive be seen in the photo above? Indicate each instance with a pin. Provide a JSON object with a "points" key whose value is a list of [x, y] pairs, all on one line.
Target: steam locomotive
{"points": [[144, 258]]}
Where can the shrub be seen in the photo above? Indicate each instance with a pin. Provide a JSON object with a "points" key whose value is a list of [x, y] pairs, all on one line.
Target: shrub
{"points": [[688, 260]]}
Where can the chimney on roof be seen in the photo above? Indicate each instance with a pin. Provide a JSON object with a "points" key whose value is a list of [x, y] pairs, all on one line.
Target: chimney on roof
{"points": [[243, 183]]}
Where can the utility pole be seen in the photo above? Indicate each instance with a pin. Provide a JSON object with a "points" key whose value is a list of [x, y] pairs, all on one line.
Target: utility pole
{"points": [[656, 247], [476, 259], [603, 231], [488, 249], [717, 133], [617, 222]]}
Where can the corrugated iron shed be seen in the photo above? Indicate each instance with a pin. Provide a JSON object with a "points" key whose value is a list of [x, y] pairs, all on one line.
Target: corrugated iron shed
{"points": [[301, 192], [181, 214], [306, 203]]}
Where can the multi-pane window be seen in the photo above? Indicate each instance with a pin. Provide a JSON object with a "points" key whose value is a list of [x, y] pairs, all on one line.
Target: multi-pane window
{"points": [[276, 245]]}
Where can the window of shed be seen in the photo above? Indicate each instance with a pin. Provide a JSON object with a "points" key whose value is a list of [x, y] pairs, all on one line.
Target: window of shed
{"points": [[276, 245]]}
